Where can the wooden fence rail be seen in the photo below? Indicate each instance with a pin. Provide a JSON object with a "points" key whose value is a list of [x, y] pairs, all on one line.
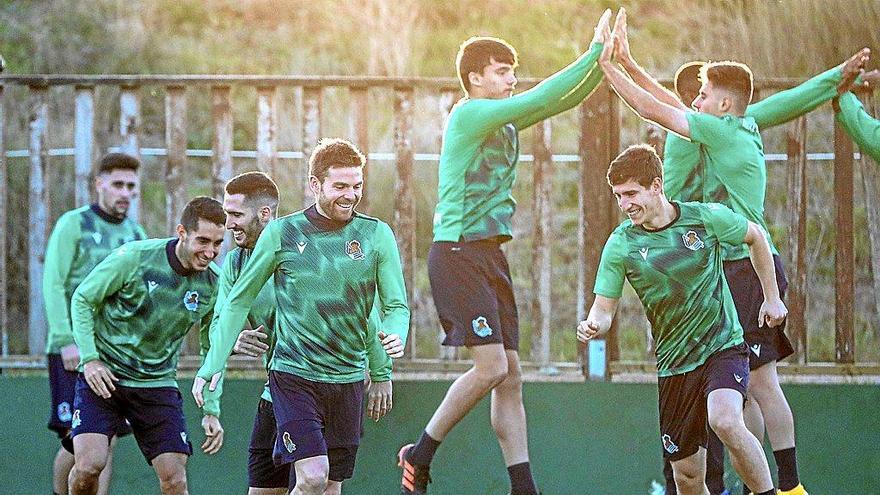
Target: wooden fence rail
{"points": [[599, 139]]}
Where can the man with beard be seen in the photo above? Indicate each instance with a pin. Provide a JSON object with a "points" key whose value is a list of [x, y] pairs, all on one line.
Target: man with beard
{"points": [[250, 203], [327, 263], [80, 240], [130, 316]]}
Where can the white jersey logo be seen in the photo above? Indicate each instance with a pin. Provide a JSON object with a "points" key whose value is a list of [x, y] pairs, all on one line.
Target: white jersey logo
{"points": [[97, 237], [191, 300], [151, 286], [644, 252], [692, 241], [301, 246], [756, 348]]}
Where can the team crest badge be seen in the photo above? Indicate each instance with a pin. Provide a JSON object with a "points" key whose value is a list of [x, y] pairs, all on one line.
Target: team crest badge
{"points": [[481, 327], [191, 300], [75, 421], [353, 250], [692, 241], [669, 445], [64, 412], [288, 443]]}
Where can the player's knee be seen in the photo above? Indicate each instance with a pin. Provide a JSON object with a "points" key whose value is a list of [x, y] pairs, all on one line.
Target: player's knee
{"points": [[312, 481], [173, 482], [726, 425], [492, 374], [90, 467], [688, 480]]}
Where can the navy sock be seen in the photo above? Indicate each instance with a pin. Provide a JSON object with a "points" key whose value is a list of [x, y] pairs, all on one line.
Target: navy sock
{"points": [[423, 452], [786, 462], [521, 482], [746, 490], [772, 491]]}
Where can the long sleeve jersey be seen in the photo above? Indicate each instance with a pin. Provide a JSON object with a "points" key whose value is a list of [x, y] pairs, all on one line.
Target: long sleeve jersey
{"points": [[861, 127]]}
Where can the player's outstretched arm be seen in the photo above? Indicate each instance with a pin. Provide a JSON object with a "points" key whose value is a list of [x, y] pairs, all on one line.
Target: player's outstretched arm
{"points": [[790, 104], [861, 127], [772, 311], [640, 101], [599, 319], [639, 75]]}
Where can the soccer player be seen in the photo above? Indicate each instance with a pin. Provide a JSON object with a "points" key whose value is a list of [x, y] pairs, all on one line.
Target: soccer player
{"points": [[80, 240], [328, 263], [683, 180], [250, 202], [469, 275], [671, 253], [130, 316], [861, 127]]}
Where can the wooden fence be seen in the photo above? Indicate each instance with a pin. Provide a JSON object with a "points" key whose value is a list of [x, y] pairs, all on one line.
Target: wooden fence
{"points": [[599, 141]]}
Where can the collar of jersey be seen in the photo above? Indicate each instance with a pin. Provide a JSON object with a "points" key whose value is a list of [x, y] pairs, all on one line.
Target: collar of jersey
{"points": [[670, 224], [175, 263], [104, 215], [323, 223]]}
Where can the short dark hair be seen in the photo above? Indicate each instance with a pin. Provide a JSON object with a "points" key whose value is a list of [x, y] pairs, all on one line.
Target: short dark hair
{"points": [[639, 162], [687, 81], [255, 186], [118, 161], [478, 52], [334, 153], [202, 208], [732, 76]]}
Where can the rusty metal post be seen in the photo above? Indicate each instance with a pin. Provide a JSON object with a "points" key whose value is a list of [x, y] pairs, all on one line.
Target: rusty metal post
{"points": [[311, 129], [84, 142], [4, 195], [541, 267], [404, 195], [267, 129], [129, 133], [843, 253], [359, 129], [175, 165], [38, 213], [796, 298]]}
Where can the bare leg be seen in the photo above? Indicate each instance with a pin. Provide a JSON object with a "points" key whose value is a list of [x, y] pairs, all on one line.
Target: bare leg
{"points": [[725, 408], [764, 387], [267, 491], [61, 470], [92, 450], [107, 472], [333, 488], [508, 414], [171, 469], [311, 475], [690, 474], [753, 415]]}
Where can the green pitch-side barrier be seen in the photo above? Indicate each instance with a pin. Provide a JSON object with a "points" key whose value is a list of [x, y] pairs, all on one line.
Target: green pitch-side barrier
{"points": [[585, 438]]}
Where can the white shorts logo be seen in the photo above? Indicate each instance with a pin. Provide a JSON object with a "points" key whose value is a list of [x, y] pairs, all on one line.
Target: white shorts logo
{"points": [[669, 445], [64, 412], [481, 327], [756, 348], [75, 421], [288, 442]]}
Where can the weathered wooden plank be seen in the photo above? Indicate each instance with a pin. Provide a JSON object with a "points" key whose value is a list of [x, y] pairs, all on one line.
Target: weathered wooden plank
{"points": [[221, 161], [267, 129], [175, 165], [542, 270], [359, 129], [796, 298], [4, 213], [843, 253], [84, 142], [129, 133], [404, 194], [871, 183], [311, 132], [38, 216]]}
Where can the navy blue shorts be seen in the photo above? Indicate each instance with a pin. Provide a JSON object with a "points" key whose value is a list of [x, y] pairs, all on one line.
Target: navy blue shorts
{"points": [[262, 472], [314, 419], [62, 387], [684, 416], [473, 293], [155, 415], [765, 344]]}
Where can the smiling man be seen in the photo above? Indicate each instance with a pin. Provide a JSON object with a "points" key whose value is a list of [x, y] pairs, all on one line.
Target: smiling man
{"points": [[130, 316], [80, 240], [671, 253], [327, 264]]}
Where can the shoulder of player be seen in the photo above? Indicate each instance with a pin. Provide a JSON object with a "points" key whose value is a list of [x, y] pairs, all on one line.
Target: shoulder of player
{"points": [[74, 216]]}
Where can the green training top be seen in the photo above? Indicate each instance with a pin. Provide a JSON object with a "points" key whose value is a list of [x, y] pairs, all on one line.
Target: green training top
{"points": [[861, 127], [678, 274], [326, 275], [134, 309], [263, 313], [735, 174], [80, 240], [682, 171], [481, 149]]}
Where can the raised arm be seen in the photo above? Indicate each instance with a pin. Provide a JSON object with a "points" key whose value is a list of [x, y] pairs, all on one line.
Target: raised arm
{"points": [[639, 75], [640, 101], [861, 127]]}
